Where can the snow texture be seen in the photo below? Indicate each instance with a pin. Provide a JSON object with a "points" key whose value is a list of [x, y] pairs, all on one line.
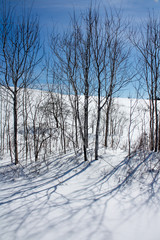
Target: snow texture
{"points": [[66, 198]]}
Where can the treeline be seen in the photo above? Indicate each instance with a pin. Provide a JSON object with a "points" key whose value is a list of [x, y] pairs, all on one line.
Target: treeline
{"points": [[85, 67]]}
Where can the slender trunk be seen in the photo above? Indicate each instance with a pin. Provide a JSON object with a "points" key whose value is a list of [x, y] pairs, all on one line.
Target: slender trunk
{"points": [[85, 152], [98, 121], [152, 105], [159, 135], [25, 120], [106, 130], [15, 128], [81, 131], [129, 129], [10, 145], [107, 123], [63, 137], [86, 119], [97, 134], [76, 131], [156, 117], [152, 125], [35, 140], [156, 127], [76, 122]]}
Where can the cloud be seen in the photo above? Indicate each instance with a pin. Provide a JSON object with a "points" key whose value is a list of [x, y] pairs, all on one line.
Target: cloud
{"points": [[156, 0]]}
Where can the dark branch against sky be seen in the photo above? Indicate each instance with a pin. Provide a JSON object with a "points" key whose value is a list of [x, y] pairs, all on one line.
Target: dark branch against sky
{"points": [[57, 13]]}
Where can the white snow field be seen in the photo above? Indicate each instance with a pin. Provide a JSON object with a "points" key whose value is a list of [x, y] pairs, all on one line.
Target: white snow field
{"points": [[67, 198]]}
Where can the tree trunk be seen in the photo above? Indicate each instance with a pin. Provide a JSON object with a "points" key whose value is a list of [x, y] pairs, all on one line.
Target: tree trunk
{"points": [[156, 127], [15, 128], [159, 135], [25, 121], [98, 120], [97, 134], [156, 117], [81, 130], [107, 123], [151, 125], [86, 119]]}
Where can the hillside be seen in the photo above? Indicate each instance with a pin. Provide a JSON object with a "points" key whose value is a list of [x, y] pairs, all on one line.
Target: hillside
{"points": [[59, 196]]}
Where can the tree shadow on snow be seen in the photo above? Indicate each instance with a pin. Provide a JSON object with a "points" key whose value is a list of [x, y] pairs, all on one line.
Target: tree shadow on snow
{"points": [[39, 208], [59, 204]]}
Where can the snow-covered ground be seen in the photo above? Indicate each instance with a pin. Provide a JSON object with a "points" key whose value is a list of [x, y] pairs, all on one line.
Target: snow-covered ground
{"points": [[67, 199]]}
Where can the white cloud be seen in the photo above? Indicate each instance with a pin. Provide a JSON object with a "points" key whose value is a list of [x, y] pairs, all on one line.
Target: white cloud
{"points": [[156, 0]]}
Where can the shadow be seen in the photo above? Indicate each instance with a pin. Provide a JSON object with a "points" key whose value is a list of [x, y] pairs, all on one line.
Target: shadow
{"points": [[141, 171], [28, 202], [75, 199]]}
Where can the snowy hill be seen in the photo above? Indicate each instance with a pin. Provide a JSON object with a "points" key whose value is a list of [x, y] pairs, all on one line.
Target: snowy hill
{"points": [[62, 197]]}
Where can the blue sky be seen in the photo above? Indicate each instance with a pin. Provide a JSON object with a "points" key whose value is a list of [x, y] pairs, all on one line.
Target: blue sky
{"points": [[58, 12]]}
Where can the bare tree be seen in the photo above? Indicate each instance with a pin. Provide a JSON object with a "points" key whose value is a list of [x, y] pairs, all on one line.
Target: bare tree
{"points": [[40, 130], [20, 45], [110, 54], [75, 47], [117, 73], [148, 46], [91, 60], [99, 55], [85, 53]]}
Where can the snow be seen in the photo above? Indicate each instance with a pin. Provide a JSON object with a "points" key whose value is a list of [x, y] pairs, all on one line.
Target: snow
{"points": [[66, 198]]}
